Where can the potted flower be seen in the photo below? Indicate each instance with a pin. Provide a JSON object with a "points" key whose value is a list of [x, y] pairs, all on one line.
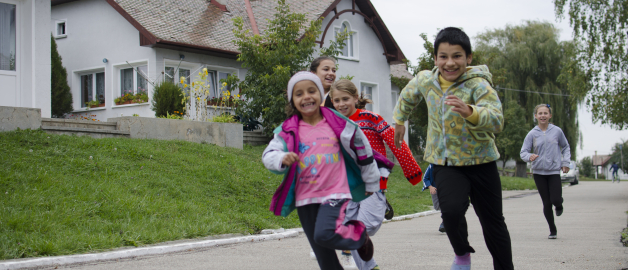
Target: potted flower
{"points": [[94, 104]]}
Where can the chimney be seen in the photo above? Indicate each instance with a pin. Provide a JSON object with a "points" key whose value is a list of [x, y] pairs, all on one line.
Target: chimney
{"points": [[221, 4]]}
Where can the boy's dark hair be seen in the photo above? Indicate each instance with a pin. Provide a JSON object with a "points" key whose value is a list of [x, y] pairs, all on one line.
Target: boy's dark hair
{"points": [[453, 36], [317, 62]]}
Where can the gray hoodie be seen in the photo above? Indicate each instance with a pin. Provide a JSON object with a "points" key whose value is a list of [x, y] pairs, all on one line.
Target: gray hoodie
{"points": [[552, 148]]}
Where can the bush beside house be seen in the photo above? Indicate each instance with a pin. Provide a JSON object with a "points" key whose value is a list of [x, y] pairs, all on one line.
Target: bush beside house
{"points": [[61, 97]]}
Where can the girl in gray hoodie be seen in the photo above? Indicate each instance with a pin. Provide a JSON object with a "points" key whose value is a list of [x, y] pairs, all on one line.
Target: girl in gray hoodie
{"points": [[550, 154]]}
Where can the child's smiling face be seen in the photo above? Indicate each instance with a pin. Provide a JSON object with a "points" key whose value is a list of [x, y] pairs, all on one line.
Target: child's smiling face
{"points": [[326, 71], [306, 98], [543, 115], [344, 102], [451, 61]]}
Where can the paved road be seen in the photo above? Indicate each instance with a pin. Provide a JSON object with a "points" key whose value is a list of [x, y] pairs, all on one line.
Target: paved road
{"points": [[588, 238]]}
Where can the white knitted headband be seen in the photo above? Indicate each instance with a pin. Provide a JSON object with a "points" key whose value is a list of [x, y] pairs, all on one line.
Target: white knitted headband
{"points": [[302, 76]]}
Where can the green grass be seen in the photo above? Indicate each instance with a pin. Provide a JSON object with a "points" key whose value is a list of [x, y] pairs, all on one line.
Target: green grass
{"points": [[78, 194], [73, 195]]}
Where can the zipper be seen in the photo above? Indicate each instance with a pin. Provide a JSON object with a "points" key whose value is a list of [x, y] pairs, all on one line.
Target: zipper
{"points": [[443, 110]]}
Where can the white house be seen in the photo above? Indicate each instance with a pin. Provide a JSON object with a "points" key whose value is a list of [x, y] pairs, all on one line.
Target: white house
{"points": [[107, 45], [25, 54]]}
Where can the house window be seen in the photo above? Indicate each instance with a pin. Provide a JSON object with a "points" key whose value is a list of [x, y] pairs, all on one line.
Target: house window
{"points": [[349, 48], [60, 29], [133, 81], [7, 37], [395, 97], [367, 89], [170, 76], [93, 89]]}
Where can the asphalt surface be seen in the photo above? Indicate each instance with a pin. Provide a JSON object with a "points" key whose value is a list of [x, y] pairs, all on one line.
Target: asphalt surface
{"points": [[588, 238]]}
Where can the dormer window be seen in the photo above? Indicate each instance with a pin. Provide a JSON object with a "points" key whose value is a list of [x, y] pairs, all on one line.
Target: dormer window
{"points": [[350, 50]]}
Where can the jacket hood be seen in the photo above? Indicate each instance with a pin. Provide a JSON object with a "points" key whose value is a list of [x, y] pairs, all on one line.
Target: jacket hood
{"points": [[480, 71], [549, 127]]}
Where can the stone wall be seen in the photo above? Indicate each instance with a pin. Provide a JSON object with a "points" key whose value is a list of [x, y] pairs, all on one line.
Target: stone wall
{"points": [[220, 134], [12, 118]]}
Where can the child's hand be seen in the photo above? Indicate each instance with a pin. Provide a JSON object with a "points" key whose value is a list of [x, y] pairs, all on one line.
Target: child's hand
{"points": [[289, 159], [368, 193], [458, 106], [533, 157], [400, 131], [432, 190]]}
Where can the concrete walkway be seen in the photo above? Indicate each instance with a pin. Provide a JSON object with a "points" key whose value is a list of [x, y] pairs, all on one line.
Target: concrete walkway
{"points": [[588, 238]]}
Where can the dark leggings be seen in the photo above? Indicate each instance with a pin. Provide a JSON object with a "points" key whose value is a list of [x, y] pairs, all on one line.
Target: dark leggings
{"points": [[322, 224], [481, 183], [551, 192]]}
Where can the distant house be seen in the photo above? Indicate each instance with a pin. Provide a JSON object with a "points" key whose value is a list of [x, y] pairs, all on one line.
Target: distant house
{"points": [[603, 164], [25, 54], [108, 45]]}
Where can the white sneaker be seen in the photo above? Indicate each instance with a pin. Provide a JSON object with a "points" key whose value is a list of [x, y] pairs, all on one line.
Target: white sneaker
{"points": [[347, 262], [312, 255]]}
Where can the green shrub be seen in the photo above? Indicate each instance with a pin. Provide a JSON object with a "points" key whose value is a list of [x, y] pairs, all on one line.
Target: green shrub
{"points": [[60, 96], [168, 99]]}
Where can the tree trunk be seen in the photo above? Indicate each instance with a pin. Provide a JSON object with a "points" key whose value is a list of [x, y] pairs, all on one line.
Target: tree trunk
{"points": [[521, 169]]}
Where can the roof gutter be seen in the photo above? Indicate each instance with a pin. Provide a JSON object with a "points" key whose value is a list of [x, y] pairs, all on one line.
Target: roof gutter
{"points": [[249, 11]]}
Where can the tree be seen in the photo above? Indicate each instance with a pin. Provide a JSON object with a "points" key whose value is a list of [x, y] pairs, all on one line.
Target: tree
{"points": [[602, 26], [620, 155], [60, 96], [535, 68], [515, 130], [287, 46], [586, 167]]}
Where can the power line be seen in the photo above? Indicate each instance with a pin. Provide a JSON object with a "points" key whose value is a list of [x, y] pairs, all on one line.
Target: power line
{"points": [[527, 91]]}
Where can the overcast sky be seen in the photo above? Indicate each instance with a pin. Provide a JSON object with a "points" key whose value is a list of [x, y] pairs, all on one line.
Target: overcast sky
{"points": [[406, 19]]}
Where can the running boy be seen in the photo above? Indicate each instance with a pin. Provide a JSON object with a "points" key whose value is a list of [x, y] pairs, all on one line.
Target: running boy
{"points": [[464, 112]]}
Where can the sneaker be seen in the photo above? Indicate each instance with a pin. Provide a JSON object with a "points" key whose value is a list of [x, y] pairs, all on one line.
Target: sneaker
{"points": [[347, 262], [441, 228], [376, 267], [552, 236], [560, 211], [389, 211], [366, 251], [462, 262]]}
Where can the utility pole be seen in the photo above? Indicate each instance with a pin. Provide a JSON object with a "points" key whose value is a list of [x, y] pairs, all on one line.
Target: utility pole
{"points": [[621, 151], [595, 160]]}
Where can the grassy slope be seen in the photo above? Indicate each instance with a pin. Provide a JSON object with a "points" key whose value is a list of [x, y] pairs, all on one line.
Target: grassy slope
{"points": [[77, 194]]}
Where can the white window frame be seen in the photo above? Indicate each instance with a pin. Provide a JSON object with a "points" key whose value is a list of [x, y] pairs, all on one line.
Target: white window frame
{"points": [[18, 27], [374, 94], [77, 89], [351, 44], [56, 30], [94, 86], [117, 82], [223, 70], [195, 68], [394, 94]]}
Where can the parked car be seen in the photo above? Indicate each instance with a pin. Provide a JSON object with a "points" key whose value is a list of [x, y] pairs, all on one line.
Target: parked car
{"points": [[572, 175]]}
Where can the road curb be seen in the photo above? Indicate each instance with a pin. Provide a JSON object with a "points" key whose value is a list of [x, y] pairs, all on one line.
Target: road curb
{"points": [[264, 235], [144, 251]]}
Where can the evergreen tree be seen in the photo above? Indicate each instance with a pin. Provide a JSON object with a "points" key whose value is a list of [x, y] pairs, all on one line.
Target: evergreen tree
{"points": [[61, 97]]}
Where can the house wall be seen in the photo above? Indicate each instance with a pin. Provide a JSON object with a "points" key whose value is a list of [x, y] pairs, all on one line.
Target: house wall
{"points": [[369, 65], [96, 31], [29, 85]]}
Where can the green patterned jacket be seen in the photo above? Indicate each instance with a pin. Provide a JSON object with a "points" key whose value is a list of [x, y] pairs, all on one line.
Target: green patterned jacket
{"points": [[451, 138]]}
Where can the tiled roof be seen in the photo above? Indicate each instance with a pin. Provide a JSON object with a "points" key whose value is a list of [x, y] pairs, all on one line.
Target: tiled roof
{"points": [[600, 160], [400, 71], [200, 23]]}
